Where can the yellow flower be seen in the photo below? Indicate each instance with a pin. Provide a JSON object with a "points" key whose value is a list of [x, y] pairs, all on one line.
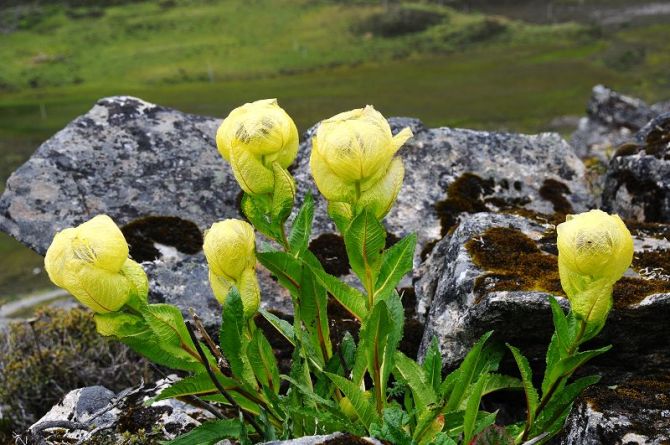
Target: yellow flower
{"points": [[352, 160], [230, 250], [594, 251], [91, 262], [252, 138]]}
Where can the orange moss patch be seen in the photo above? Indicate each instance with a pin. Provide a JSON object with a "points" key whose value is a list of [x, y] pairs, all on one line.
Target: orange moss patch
{"points": [[514, 262], [649, 393], [629, 291]]}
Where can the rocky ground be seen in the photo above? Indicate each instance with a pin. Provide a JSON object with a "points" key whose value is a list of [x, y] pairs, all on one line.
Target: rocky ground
{"points": [[484, 206]]}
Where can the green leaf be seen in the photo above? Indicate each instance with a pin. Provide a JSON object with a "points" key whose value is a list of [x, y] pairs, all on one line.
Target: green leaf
{"points": [[396, 262], [379, 339], [135, 333], [282, 326], [341, 214], [263, 361], [532, 399], [257, 211], [565, 367], [553, 356], [392, 429], [283, 195], [485, 420], [348, 350], [561, 403], [449, 383], [428, 425], [209, 433], [314, 308], [443, 439], [301, 229], [167, 324], [467, 373], [351, 299], [497, 382], [285, 267], [492, 435], [364, 241], [561, 326], [301, 425], [330, 419], [231, 337], [415, 376], [201, 385], [472, 408], [363, 406], [432, 364], [308, 392]]}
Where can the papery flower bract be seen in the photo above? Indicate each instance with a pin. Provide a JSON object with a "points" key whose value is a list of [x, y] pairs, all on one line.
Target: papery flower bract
{"points": [[91, 262], [252, 138], [352, 160], [230, 251], [594, 251]]}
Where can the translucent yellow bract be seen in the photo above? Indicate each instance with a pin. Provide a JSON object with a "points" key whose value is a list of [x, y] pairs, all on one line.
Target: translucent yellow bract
{"points": [[353, 160], [252, 138], [230, 251], [91, 262], [594, 251]]}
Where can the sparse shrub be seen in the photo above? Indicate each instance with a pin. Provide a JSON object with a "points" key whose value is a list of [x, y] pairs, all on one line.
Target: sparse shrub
{"points": [[57, 351], [624, 57], [480, 31], [398, 21]]}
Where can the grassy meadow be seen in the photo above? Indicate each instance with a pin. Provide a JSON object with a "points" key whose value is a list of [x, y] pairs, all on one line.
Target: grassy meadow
{"points": [[317, 57]]}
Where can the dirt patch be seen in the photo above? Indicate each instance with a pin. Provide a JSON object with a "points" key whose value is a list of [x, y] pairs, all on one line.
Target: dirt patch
{"points": [[331, 252]]}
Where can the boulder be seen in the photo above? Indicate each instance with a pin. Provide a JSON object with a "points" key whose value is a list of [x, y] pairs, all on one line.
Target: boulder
{"points": [[637, 182], [96, 413], [127, 158], [495, 272], [450, 172], [632, 412], [156, 171], [611, 120]]}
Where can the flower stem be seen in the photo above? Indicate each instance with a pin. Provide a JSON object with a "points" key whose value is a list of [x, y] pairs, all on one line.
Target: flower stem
{"points": [[216, 382], [554, 386]]}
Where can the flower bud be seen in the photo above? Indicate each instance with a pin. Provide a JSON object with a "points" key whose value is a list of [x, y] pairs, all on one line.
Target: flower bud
{"points": [[252, 138], [91, 262], [352, 160], [230, 251], [594, 251]]}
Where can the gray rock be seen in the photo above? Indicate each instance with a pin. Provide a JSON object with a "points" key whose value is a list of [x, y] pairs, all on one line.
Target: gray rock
{"points": [[157, 172], [632, 412], [183, 281], [449, 172], [495, 272], [94, 412], [127, 158], [637, 183], [611, 120]]}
